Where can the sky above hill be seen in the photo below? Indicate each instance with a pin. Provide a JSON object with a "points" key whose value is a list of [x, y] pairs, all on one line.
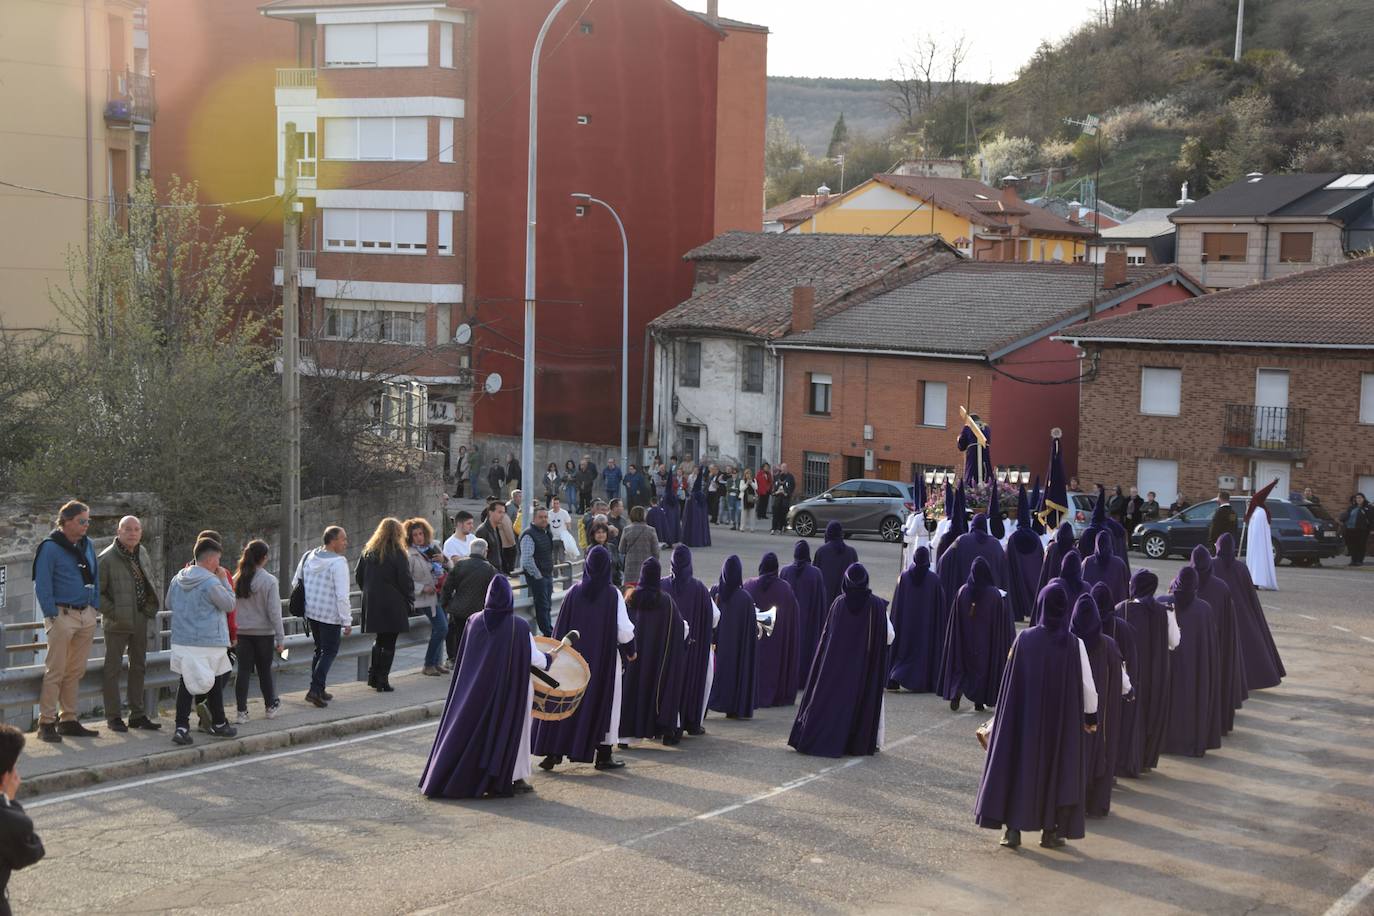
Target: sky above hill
{"points": [[866, 38]]}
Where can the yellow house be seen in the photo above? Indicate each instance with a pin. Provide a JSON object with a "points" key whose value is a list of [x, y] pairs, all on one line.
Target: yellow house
{"points": [[982, 222]]}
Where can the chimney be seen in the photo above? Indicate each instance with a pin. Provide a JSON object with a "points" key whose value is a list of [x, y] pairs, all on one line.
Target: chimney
{"points": [[1114, 267], [713, 11], [803, 308]]}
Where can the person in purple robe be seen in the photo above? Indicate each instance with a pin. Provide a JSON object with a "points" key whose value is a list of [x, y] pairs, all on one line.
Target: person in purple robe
{"points": [[1070, 579], [979, 636], [1194, 714], [733, 687], [1025, 561], [1097, 523], [1037, 525], [779, 652], [1259, 656], [1217, 594], [696, 522], [832, 559], [841, 713], [1104, 659], [596, 610], [808, 587], [1060, 544], [920, 619], [483, 743], [958, 524], [664, 518], [1156, 637], [978, 467], [957, 562], [700, 616], [1033, 777], [1130, 741], [652, 693], [1104, 566]]}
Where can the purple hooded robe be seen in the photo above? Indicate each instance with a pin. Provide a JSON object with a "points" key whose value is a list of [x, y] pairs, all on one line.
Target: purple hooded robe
{"points": [[1061, 544], [478, 742], [696, 525], [665, 518], [920, 617], [842, 709], [693, 602], [1150, 619], [832, 559], [1104, 658], [1025, 561], [808, 587], [1070, 579], [652, 691], [779, 654], [978, 638], [1103, 565], [1214, 590], [1130, 746], [1033, 777], [590, 608], [733, 688], [1260, 657], [1194, 719]]}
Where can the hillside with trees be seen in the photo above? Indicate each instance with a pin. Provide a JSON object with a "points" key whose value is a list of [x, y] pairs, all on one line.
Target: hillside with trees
{"points": [[1173, 105]]}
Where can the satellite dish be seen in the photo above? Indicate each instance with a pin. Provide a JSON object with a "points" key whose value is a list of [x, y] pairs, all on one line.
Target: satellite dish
{"points": [[463, 334], [493, 383]]}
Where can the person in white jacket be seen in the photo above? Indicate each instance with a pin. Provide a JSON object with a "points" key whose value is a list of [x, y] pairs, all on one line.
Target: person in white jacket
{"points": [[324, 572]]}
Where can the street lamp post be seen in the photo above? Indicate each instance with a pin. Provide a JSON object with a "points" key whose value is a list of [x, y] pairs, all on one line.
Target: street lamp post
{"points": [[531, 209], [624, 333]]}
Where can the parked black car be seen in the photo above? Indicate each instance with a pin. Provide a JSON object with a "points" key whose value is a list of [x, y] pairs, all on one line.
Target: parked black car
{"points": [[1302, 532]]}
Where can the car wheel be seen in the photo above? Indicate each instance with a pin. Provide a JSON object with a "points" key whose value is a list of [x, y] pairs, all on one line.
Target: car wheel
{"points": [[1155, 546], [804, 524], [890, 529], [1278, 555]]}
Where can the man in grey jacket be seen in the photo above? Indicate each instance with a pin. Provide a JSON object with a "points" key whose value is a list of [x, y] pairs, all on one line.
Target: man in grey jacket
{"points": [[324, 571], [128, 608]]}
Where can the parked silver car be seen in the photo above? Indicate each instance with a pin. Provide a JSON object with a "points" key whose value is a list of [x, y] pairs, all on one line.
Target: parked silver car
{"points": [[860, 506]]}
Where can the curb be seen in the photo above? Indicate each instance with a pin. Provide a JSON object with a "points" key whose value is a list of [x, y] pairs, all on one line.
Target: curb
{"points": [[81, 777]]}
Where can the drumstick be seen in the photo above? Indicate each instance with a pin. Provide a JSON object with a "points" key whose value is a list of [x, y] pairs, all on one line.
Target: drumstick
{"points": [[568, 640], [544, 677]]}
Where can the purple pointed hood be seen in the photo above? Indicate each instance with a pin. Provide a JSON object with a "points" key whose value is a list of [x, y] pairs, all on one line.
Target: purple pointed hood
{"points": [[1086, 623], [1201, 561], [855, 588], [731, 578], [834, 532], [1184, 588], [499, 603], [1023, 512], [1102, 595], [768, 569], [596, 572], [1052, 608], [682, 562], [1144, 584], [1071, 567], [650, 577], [801, 553]]}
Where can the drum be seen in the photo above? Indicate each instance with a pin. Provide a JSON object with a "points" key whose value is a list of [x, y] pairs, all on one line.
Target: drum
{"points": [[571, 672]]}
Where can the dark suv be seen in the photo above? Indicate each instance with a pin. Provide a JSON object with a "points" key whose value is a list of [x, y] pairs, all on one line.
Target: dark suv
{"points": [[1301, 532]]}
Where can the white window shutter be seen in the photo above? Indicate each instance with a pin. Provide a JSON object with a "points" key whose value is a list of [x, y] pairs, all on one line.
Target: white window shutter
{"points": [[445, 139], [935, 406], [412, 138], [446, 44], [341, 138], [375, 229], [403, 44], [1161, 391], [350, 45], [411, 234], [445, 232], [1367, 403]]}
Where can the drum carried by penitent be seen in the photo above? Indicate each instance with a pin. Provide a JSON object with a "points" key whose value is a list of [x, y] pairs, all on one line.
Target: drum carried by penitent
{"points": [[572, 673]]}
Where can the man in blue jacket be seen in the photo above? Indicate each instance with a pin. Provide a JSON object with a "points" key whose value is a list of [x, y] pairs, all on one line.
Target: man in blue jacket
{"points": [[64, 582], [612, 476]]}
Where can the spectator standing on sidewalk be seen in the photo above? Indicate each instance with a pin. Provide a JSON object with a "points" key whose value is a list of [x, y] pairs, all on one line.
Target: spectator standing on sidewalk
{"points": [[536, 562], [612, 476], [551, 482], [730, 493], [496, 479], [638, 542], [20, 847], [1178, 505], [568, 481], [129, 604], [1149, 510], [1359, 518], [200, 599], [461, 469], [784, 485], [763, 483], [748, 494], [1224, 521], [513, 472], [66, 587], [261, 634], [459, 543], [586, 482], [427, 567], [383, 576], [465, 590], [323, 573]]}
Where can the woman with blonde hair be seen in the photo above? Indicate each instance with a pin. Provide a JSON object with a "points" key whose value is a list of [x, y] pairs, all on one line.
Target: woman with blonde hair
{"points": [[427, 568], [383, 576]]}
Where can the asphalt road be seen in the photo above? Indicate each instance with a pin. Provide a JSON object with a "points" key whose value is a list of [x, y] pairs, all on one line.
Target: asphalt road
{"points": [[1280, 820]]}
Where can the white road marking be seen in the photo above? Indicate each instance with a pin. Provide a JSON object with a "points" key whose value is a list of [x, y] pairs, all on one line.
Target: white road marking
{"points": [[1342, 629], [1367, 638], [1307, 616], [227, 765], [1357, 894]]}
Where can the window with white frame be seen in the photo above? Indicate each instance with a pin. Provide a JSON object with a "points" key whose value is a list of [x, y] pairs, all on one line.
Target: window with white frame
{"points": [[445, 245], [445, 139], [376, 231], [1367, 397], [357, 319], [1158, 476], [376, 44], [934, 401], [446, 45], [1160, 391], [819, 400], [384, 139]]}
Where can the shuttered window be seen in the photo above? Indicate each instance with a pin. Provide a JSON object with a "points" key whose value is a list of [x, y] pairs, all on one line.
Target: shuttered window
{"points": [[1160, 391], [1295, 247], [1224, 246]]}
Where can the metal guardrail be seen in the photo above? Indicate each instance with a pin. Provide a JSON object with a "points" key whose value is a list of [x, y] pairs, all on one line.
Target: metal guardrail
{"points": [[296, 77], [20, 685]]}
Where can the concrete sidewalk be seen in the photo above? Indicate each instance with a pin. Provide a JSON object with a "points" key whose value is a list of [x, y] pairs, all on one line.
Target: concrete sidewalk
{"points": [[78, 762]]}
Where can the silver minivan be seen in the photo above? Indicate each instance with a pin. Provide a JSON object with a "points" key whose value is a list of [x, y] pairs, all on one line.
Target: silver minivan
{"points": [[861, 506]]}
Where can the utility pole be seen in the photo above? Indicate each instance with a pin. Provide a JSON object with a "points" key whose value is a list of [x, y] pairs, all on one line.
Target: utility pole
{"points": [[290, 351], [1240, 27]]}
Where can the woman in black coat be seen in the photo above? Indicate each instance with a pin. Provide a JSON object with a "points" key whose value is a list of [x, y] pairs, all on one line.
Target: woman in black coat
{"points": [[383, 576]]}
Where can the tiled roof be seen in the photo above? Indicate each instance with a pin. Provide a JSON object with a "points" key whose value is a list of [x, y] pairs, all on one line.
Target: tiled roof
{"points": [[1328, 307], [983, 205], [972, 308], [1143, 224], [757, 298], [1251, 197], [796, 210]]}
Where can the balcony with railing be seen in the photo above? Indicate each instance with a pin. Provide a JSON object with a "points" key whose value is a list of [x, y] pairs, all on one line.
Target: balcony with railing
{"points": [[305, 268], [1264, 432], [295, 87], [129, 99]]}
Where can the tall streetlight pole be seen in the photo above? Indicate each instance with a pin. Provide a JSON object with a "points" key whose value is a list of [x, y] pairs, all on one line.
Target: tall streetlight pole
{"points": [[624, 334], [531, 208]]}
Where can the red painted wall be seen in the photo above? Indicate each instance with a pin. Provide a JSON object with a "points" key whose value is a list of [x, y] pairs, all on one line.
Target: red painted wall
{"points": [[1023, 413], [646, 76]]}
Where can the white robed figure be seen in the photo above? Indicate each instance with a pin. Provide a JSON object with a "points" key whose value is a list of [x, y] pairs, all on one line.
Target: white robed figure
{"points": [[914, 535], [1259, 548]]}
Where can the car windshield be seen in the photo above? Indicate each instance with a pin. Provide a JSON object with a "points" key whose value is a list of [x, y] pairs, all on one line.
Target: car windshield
{"points": [[846, 490], [1199, 513], [879, 489]]}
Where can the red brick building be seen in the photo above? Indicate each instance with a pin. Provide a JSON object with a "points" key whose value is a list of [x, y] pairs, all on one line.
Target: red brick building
{"points": [[875, 390], [1270, 380]]}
